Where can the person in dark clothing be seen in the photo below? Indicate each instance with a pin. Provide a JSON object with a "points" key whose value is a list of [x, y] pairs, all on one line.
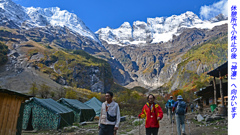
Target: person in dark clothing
{"points": [[180, 108], [192, 107]]}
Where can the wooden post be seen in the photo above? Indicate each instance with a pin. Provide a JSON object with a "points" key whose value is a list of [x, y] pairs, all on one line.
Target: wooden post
{"points": [[221, 90], [215, 90]]}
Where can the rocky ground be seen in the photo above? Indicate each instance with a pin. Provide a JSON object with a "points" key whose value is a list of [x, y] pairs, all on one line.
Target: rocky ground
{"points": [[213, 126]]}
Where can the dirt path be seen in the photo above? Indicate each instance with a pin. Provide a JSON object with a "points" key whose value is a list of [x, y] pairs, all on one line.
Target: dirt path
{"points": [[165, 128], [191, 128]]}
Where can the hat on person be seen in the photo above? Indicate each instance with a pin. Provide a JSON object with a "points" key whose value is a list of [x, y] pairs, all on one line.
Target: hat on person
{"points": [[179, 97]]}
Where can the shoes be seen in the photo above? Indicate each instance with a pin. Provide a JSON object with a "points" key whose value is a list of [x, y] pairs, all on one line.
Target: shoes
{"points": [[183, 133]]}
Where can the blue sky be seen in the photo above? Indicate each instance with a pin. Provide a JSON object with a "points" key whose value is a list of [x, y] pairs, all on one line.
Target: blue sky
{"points": [[102, 13]]}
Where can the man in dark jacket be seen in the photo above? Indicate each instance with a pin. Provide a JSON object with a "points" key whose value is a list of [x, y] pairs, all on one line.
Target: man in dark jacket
{"points": [[152, 113], [180, 109]]}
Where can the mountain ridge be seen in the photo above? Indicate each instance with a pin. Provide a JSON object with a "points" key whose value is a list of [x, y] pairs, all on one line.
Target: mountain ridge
{"points": [[156, 30]]}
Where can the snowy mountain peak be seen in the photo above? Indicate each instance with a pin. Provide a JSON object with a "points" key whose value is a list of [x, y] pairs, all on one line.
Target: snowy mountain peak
{"points": [[125, 25], [159, 29], [41, 17], [189, 13], [56, 17]]}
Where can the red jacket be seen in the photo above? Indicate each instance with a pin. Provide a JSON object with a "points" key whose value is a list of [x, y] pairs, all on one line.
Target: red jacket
{"points": [[156, 111]]}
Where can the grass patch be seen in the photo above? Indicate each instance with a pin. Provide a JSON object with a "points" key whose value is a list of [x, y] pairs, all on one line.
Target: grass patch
{"points": [[220, 132], [137, 123], [90, 126]]}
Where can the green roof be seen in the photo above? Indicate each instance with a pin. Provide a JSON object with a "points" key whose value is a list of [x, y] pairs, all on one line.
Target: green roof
{"points": [[52, 105], [82, 112], [74, 103], [95, 104]]}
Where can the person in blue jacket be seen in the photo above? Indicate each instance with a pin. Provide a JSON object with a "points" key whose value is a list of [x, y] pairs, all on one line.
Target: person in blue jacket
{"points": [[180, 108], [170, 104]]}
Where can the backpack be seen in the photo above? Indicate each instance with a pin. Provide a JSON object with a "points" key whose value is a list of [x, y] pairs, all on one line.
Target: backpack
{"points": [[192, 106], [181, 108], [170, 103]]}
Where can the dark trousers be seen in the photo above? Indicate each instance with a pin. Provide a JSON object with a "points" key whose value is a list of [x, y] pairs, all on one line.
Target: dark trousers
{"points": [[106, 129], [151, 131]]}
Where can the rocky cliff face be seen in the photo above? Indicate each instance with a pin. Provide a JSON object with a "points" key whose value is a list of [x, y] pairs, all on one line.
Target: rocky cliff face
{"points": [[149, 54], [153, 65]]}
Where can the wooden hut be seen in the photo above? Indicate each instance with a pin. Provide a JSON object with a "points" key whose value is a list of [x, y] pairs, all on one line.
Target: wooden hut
{"points": [[219, 72], [216, 93], [11, 111], [207, 94]]}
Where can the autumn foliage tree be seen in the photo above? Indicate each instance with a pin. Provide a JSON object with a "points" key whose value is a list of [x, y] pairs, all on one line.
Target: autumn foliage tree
{"points": [[71, 94], [44, 90], [33, 89]]}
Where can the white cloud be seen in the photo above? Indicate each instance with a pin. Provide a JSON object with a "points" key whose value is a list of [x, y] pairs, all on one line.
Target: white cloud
{"points": [[207, 12]]}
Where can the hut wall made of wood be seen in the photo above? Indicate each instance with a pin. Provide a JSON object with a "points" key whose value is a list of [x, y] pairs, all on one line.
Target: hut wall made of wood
{"points": [[9, 113]]}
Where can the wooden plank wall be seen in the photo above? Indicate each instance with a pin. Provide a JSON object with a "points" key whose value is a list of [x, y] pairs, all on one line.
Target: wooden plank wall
{"points": [[9, 113]]}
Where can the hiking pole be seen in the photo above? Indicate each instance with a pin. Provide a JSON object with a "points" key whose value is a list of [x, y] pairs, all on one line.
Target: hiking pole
{"points": [[139, 126], [172, 127], [188, 127]]}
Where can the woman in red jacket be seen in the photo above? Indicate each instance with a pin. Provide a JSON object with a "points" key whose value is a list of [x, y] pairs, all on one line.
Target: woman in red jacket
{"points": [[152, 113]]}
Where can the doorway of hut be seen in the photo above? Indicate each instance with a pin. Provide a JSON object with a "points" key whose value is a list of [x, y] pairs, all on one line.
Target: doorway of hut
{"points": [[207, 102], [29, 126]]}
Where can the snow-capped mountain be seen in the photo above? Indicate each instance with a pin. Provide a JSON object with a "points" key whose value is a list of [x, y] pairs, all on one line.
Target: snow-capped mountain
{"points": [[159, 29], [39, 17], [12, 13], [56, 17]]}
